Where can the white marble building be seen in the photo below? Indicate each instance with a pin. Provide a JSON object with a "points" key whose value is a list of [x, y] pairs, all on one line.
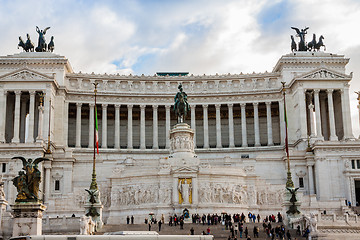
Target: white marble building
{"points": [[238, 163]]}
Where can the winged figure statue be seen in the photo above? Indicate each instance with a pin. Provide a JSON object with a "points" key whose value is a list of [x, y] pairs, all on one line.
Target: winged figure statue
{"points": [[28, 181]]}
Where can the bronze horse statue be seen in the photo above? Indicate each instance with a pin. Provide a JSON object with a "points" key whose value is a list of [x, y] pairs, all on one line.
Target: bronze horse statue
{"points": [[181, 107], [311, 45], [320, 44], [27, 46]]}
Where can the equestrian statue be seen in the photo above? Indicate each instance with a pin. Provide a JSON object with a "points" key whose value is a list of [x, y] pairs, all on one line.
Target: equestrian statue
{"points": [[181, 106]]}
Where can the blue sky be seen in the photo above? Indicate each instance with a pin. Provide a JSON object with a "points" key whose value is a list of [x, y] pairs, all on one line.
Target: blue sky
{"points": [[196, 36]]}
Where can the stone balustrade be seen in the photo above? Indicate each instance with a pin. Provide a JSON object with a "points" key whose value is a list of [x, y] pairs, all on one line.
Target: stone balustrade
{"points": [[166, 84]]}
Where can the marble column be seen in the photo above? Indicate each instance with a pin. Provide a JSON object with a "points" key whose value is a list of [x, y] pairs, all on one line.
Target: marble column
{"points": [[333, 136], [155, 127], [142, 127], [317, 114], [91, 124], [243, 125], [23, 120], [206, 126], [231, 125], [117, 127], [193, 122], [311, 179], [104, 126], [30, 137], [346, 113], [269, 124], [167, 126], [78, 125], [16, 137], [130, 137], [312, 120], [256, 124], [302, 113], [218, 126], [3, 103], [282, 122]]}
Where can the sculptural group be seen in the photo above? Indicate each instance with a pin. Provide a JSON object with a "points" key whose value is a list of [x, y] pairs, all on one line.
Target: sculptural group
{"points": [[28, 181], [28, 46], [302, 45]]}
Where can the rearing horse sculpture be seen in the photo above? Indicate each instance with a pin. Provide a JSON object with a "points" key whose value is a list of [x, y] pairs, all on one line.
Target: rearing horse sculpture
{"points": [[181, 106]]}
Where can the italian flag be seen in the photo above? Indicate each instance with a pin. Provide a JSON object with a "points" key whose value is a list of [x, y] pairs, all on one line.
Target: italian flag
{"points": [[96, 131]]}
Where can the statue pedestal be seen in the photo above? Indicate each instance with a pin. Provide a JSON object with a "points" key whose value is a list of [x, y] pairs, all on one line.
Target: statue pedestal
{"points": [[97, 219], [292, 218], [182, 146], [27, 218], [3, 204]]}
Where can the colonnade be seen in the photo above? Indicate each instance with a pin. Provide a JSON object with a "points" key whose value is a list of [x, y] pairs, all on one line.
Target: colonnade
{"points": [[25, 105], [155, 130]]}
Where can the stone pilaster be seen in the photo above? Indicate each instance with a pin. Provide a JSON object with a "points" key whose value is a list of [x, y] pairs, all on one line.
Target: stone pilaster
{"points": [[104, 126], [155, 127], [130, 137], [117, 127], [142, 126], [256, 124]]}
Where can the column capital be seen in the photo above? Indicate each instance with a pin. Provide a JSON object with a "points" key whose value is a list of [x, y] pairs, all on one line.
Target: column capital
{"points": [[91, 105], [104, 105], [256, 104], [142, 106], [155, 107], [316, 91], [117, 106], [242, 104], [167, 107], [192, 105], [17, 92], [78, 104], [205, 106], [330, 91], [130, 106], [32, 92], [217, 106], [268, 103], [230, 105]]}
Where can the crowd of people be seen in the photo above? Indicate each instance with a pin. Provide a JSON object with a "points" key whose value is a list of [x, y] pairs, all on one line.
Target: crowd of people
{"points": [[236, 224]]}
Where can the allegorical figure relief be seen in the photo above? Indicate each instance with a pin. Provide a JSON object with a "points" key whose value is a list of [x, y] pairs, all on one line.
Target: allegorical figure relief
{"points": [[185, 190]]}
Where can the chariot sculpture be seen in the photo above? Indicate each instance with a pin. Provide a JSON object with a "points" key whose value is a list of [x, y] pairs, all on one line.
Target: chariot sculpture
{"points": [[42, 46], [302, 45]]}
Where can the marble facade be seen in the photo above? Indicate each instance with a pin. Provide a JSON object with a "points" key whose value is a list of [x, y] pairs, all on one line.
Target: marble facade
{"points": [[235, 133]]}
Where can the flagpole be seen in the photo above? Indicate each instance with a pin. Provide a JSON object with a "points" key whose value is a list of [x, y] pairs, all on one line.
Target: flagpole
{"points": [[289, 182], [93, 185]]}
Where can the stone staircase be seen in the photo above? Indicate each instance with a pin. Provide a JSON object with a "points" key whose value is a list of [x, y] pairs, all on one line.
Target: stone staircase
{"points": [[218, 231]]}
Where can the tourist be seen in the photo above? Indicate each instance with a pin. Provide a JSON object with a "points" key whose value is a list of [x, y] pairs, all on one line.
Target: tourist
{"points": [[170, 221], [127, 220], [256, 232], [298, 232], [192, 231], [132, 219], [203, 233], [236, 227], [160, 223], [258, 218], [246, 232], [149, 225], [232, 231], [241, 229], [288, 235], [208, 231], [181, 223]]}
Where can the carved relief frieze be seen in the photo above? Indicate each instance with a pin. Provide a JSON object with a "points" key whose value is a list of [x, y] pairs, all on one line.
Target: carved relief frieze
{"points": [[138, 194]]}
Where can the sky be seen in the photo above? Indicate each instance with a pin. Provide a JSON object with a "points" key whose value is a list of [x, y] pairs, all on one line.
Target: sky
{"points": [[196, 36]]}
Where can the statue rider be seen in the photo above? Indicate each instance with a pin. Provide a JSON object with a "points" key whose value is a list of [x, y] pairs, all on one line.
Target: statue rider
{"points": [[181, 97]]}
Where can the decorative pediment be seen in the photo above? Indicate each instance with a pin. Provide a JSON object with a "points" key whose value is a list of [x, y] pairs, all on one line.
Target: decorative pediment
{"points": [[185, 169], [324, 74], [25, 74]]}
